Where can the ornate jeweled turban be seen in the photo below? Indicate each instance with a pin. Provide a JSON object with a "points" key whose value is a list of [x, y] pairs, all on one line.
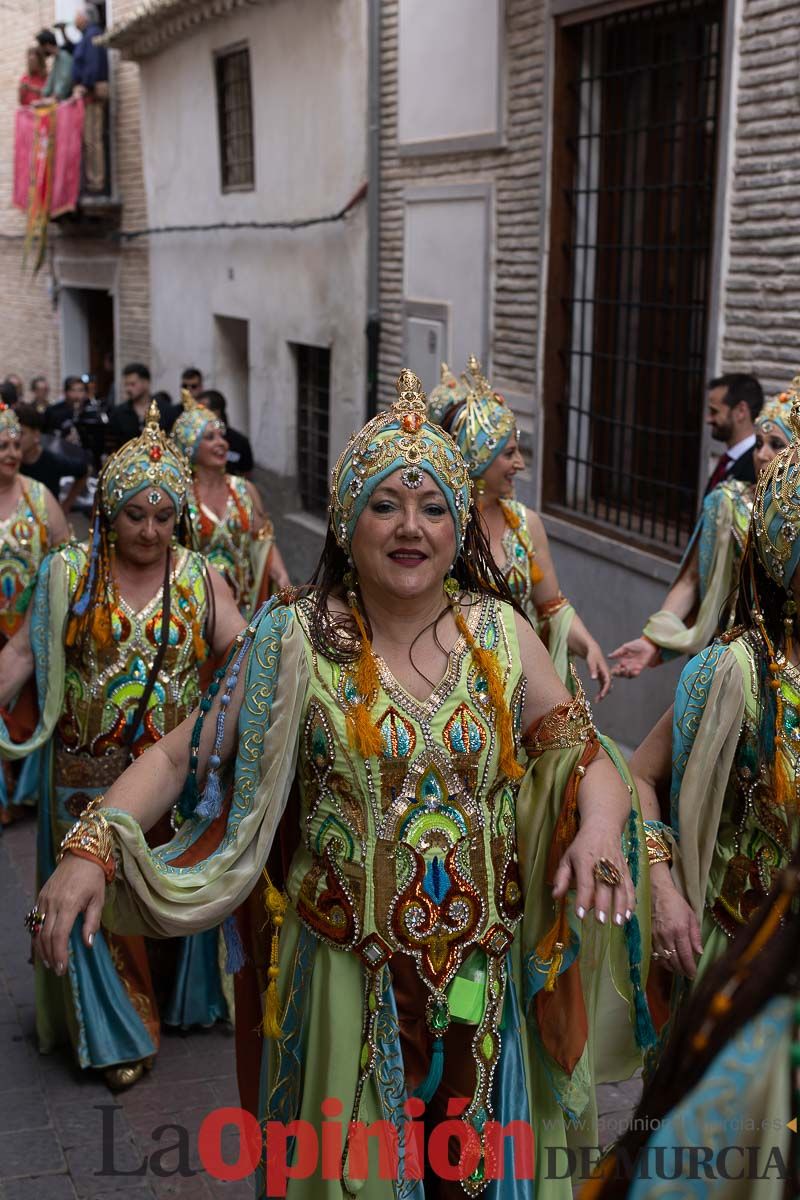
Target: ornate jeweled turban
{"points": [[447, 395], [776, 412], [150, 461], [776, 507], [482, 422], [399, 439], [190, 426], [9, 421]]}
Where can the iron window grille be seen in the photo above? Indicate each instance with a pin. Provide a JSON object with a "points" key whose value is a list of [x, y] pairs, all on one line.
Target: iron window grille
{"points": [[235, 119], [634, 155], [313, 421]]}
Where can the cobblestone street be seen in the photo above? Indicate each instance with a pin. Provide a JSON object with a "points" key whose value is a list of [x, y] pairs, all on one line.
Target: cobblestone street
{"points": [[51, 1115]]}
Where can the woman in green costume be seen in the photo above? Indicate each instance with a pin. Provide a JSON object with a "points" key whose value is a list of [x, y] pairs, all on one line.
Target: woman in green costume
{"points": [[735, 748], [115, 636], [396, 747], [703, 597], [31, 523], [485, 430], [226, 517]]}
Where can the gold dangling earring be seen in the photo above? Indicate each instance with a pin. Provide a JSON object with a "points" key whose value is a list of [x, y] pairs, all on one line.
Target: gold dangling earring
{"points": [[480, 491], [451, 586]]}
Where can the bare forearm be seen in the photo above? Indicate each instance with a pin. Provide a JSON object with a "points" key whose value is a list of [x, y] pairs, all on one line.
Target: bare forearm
{"points": [[16, 667], [682, 597], [149, 787], [579, 638], [603, 793]]}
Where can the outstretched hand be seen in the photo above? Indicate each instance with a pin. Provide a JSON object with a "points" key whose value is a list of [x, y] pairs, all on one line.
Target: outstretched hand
{"points": [[634, 657], [598, 669], [596, 840], [76, 886]]}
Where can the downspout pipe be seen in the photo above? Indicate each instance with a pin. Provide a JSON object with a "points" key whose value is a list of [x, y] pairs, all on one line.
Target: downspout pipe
{"points": [[373, 329]]}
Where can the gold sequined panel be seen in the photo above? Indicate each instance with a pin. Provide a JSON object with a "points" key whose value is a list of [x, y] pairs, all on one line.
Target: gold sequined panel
{"points": [[102, 691], [413, 849], [23, 545]]}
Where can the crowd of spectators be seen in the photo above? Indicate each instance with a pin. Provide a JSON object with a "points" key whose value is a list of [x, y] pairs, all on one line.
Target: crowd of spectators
{"points": [[65, 442]]}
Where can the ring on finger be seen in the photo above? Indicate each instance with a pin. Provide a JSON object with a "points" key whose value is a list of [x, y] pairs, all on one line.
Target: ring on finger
{"points": [[34, 921], [606, 872]]}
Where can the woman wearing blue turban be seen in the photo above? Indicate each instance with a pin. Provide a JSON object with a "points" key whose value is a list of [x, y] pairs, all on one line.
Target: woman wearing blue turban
{"points": [[485, 430], [438, 816]]}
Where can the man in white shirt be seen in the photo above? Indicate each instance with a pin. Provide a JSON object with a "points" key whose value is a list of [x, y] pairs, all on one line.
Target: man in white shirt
{"points": [[734, 402]]}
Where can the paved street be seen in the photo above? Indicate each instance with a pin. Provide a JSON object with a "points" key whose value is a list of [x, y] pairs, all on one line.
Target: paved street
{"points": [[51, 1115]]}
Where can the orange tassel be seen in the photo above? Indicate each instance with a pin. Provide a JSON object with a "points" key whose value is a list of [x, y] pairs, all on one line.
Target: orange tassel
{"points": [[486, 662], [552, 946], [101, 626], [362, 733]]}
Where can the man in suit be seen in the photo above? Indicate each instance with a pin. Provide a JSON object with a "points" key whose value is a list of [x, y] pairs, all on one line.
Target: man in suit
{"points": [[734, 402]]}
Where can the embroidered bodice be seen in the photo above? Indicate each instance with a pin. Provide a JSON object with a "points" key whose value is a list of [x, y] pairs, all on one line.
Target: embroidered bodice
{"points": [[413, 850], [23, 545], [518, 553], [226, 540], [103, 689], [757, 832]]}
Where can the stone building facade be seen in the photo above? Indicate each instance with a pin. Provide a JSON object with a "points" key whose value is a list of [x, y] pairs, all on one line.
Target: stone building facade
{"points": [[633, 176]]}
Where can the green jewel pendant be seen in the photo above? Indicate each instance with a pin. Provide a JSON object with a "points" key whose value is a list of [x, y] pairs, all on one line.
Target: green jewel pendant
{"points": [[437, 1013]]}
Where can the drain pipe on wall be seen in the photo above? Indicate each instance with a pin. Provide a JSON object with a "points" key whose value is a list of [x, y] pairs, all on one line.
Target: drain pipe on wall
{"points": [[373, 330]]}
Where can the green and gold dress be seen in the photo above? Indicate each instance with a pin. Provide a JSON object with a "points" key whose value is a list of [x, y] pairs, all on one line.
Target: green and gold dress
{"points": [[88, 699], [414, 952], [234, 544], [24, 542]]}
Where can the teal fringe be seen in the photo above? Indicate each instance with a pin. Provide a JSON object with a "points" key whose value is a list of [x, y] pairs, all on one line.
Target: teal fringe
{"points": [[644, 1031], [428, 1088]]}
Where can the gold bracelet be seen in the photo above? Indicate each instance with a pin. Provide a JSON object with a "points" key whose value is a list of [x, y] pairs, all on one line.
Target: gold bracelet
{"points": [[90, 837], [549, 608], [658, 847]]}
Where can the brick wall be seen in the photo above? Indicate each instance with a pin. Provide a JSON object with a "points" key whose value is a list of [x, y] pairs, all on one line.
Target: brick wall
{"points": [[762, 293], [30, 329], [515, 170]]}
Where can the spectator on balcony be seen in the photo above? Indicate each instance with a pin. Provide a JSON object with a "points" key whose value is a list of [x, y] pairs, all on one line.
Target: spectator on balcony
{"points": [[47, 465], [40, 392], [126, 420], [90, 79], [59, 81], [31, 85], [240, 454]]}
